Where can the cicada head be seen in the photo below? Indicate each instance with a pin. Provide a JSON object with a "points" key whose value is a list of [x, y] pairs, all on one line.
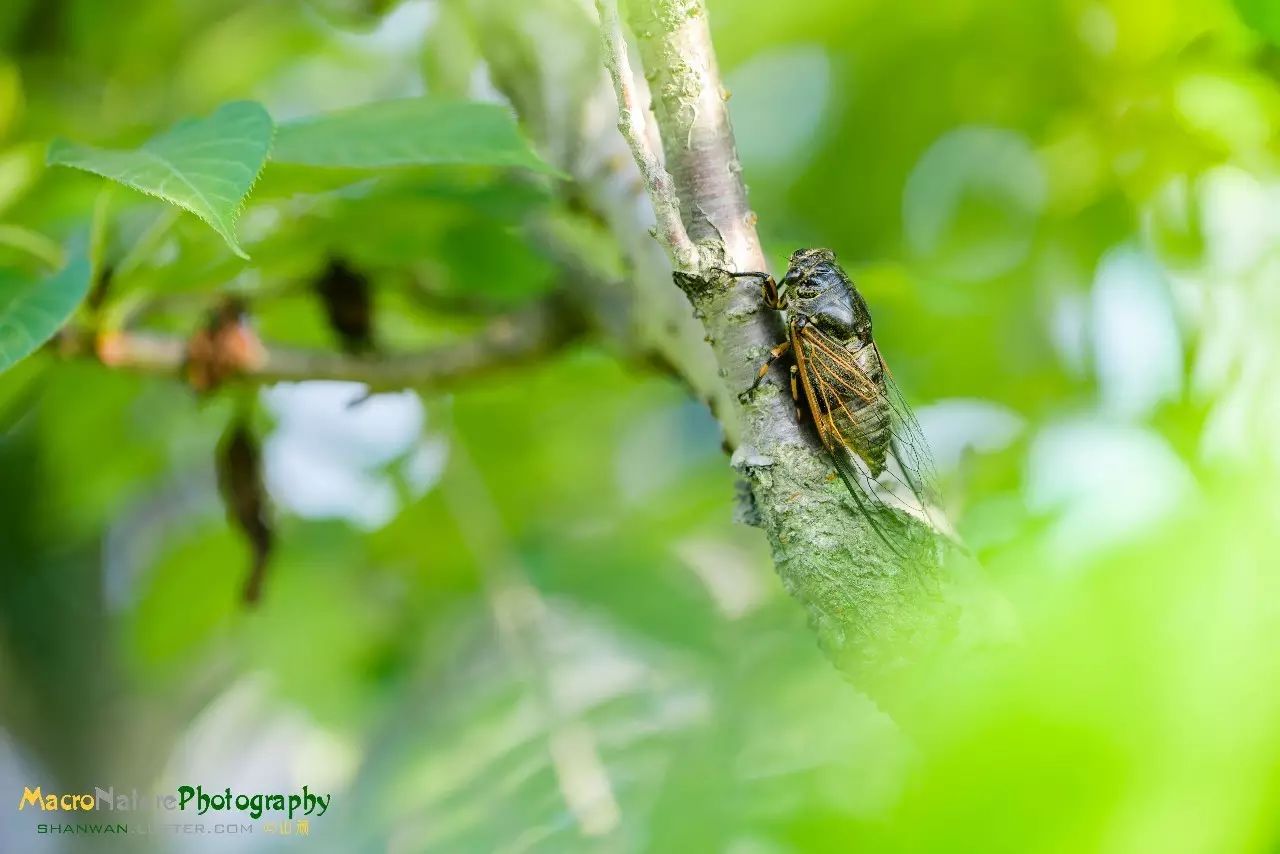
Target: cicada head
{"points": [[804, 281], [805, 263]]}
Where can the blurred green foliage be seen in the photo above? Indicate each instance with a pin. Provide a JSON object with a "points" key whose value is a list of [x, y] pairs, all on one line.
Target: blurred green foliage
{"points": [[519, 616]]}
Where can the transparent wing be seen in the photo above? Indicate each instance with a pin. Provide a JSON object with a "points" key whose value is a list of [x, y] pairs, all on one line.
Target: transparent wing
{"points": [[910, 448], [835, 383]]}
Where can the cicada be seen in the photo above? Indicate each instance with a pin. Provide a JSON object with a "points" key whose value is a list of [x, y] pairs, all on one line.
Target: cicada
{"points": [[840, 379]]}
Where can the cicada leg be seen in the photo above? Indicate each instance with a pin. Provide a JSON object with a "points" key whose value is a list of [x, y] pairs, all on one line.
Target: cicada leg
{"points": [[768, 287], [774, 355], [774, 302], [795, 392]]}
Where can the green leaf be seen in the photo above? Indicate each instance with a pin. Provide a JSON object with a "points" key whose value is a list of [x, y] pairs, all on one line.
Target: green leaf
{"points": [[411, 132], [30, 312], [1262, 16], [205, 165]]}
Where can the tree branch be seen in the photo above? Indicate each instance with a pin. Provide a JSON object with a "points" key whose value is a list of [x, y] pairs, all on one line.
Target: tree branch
{"points": [[535, 57], [670, 230], [868, 608], [505, 342], [691, 107]]}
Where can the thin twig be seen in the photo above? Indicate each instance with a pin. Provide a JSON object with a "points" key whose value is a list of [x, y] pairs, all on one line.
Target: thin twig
{"points": [[33, 243], [662, 193], [523, 620], [507, 341]]}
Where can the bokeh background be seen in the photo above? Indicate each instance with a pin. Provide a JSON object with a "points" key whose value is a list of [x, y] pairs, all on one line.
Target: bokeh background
{"points": [[519, 616]]}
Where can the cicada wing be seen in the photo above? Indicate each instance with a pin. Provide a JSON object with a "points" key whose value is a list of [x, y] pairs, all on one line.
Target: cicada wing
{"points": [[836, 388], [900, 478], [910, 443], [861, 486], [887, 516], [914, 459]]}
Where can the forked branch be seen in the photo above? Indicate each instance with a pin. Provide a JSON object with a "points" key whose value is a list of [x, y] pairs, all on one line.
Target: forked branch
{"points": [[670, 230], [504, 342]]}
